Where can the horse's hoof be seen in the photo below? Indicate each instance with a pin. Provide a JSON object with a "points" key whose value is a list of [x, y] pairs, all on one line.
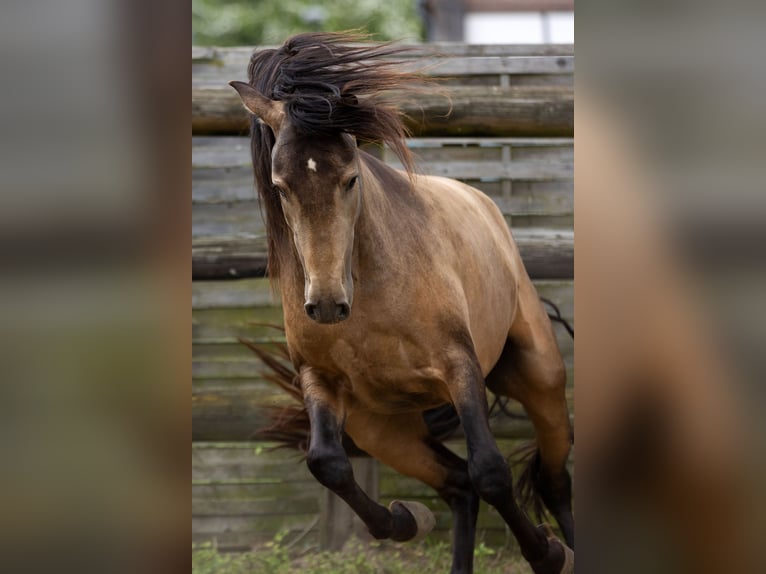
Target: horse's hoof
{"points": [[423, 517], [568, 567], [559, 553]]}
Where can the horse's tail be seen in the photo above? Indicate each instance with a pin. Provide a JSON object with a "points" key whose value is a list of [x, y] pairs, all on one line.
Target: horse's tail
{"points": [[528, 496], [556, 316], [289, 424], [527, 455]]}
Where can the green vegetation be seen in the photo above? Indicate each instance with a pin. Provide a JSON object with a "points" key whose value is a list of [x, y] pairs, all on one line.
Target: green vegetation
{"points": [[253, 22], [356, 558]]}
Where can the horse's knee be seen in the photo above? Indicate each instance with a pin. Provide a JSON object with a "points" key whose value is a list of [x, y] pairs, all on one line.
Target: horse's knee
{"points": [[330, 467], [491, 477]]}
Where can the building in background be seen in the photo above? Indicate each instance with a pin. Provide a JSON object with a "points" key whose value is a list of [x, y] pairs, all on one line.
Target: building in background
{"points": [[499, 21]]}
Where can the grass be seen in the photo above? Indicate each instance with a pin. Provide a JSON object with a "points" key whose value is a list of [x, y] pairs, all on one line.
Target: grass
{"points": [[356, 558]]}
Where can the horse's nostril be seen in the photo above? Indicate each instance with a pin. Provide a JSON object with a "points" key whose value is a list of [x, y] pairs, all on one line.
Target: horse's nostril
{"points": [[342, 311], [311, 311]]}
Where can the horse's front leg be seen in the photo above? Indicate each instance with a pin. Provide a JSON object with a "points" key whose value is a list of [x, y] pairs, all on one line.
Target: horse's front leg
{"points": [[491, 476], [329, 463]]}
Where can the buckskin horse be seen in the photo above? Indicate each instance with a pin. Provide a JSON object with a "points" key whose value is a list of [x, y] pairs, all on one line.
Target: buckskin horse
{"points": [[402, 293]]}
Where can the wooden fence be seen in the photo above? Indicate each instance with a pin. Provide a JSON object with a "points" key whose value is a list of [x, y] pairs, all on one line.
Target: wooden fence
{"points": [[509, 134]]}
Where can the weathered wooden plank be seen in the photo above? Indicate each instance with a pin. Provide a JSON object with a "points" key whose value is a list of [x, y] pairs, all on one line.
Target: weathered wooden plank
{"points": [[227, 416], [447, 49], [426, 155], [212, 525], [526, 170], [235, 322], [234, 193], [234, 151], [217, 490], [242, 541], [220, 72], [224, 351], [535, 196], [547, 253], [224, 184], [527, 198], [470, 111], [217, 65], [307, 503], [246, 293], [224, 384]]}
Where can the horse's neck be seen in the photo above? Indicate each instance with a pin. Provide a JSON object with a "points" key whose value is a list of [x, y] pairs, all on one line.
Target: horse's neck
{"points": [[384, 219]]}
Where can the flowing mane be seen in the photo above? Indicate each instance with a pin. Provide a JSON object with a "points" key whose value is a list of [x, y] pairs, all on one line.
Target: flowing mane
{"points": [[329, 83]]}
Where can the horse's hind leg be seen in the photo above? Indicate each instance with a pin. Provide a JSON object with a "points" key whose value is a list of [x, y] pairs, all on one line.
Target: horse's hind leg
{"points": [[531, 370], [489, 472], [329, 463], [403, 443]]}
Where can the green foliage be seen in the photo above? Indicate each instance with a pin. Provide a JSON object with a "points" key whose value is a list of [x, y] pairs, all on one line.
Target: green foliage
{"points": [[254, 22], [356, 558]]}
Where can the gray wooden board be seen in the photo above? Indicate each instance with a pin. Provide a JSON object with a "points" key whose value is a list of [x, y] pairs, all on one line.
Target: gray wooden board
{"points": [[452, 49], [218, 66], [528, 197], [231, 151], [244, 217]]}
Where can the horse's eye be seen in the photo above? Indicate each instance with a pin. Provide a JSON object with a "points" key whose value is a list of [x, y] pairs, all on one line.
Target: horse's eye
{"points": [[351, 183], [280, 190]]}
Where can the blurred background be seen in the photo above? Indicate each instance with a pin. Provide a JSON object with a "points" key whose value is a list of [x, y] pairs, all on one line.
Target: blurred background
{"points": [[241, 23]]}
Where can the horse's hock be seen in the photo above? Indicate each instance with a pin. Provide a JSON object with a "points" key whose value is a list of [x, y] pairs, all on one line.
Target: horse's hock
{"points": [[509, 134]]}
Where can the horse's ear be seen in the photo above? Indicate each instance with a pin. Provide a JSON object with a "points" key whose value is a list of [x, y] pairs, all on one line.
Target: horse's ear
{"points": [[271, 112]]}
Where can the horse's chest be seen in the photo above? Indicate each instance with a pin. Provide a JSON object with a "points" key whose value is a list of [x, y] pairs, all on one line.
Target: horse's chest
{"points": [[384, 373]]}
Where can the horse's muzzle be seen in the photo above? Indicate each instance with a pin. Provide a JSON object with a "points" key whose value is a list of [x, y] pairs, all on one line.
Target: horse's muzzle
{"points": [[328, 311]]}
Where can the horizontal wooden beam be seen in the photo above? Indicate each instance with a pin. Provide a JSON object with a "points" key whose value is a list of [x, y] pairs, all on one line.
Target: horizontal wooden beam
{"points": [[547, 254], [463, 111]]}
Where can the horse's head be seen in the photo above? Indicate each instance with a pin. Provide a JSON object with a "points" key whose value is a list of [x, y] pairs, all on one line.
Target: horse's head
{"points": [[317, 179]]}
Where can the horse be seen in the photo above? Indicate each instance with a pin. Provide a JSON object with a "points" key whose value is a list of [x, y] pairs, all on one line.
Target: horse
{"points": [[402, 293]]}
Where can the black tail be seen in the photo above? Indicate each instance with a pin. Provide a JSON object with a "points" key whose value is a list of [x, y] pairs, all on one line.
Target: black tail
{"points": [[289, 424], [528, 456], [556, 316]]}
